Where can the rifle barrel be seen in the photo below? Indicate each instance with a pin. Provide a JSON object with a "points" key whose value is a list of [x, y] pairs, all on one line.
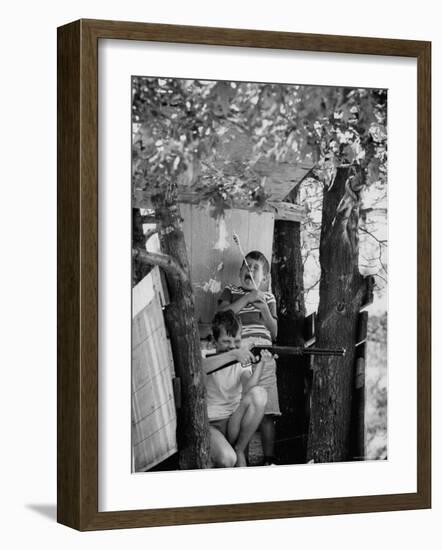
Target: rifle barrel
{"points": [[292, 350]]}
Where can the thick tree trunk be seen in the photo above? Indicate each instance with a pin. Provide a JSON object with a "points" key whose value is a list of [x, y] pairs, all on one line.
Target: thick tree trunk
{"points": [[288, 286], [342, 291], [192, 431], [139, 269]]}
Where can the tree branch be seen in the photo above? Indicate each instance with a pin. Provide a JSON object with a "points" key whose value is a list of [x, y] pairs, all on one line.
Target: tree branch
{"points": [[384, 267], [164, 261], [381, 242], [381, 277], [312, 286]]}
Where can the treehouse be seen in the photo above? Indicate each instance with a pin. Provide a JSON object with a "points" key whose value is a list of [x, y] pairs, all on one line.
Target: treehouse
{"points": [[214, 260]]}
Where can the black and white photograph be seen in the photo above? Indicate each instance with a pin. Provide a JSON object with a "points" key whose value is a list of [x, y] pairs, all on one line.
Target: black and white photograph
{"points": [[259, 274], [218, 324]]}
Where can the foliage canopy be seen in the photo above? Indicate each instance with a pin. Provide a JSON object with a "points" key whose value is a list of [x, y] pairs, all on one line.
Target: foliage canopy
{"points": [[210, 136]]}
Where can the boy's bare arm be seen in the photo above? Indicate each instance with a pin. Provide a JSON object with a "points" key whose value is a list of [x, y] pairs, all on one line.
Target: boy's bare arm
{"points": [[249, 380], [236, 306], [269, 321], [211, 362]]}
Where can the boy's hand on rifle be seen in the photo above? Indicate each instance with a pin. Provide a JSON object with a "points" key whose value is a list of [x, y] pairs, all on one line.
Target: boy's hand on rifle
{"points": [[243, 355], [266, 359], [266, 356]]}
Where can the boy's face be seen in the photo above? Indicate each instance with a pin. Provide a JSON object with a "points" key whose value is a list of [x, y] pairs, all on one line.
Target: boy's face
{"points": [[226, 342], [257, 271]]}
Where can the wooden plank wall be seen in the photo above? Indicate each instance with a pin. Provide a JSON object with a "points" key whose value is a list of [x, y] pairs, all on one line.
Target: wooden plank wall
{"points": [[358, 428], [207, 262], [153, 406]]}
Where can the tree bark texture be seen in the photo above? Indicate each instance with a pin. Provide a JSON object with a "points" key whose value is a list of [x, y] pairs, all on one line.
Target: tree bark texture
{"points": [[139, 269], [341, 295], [288, 286], [192, 430]]}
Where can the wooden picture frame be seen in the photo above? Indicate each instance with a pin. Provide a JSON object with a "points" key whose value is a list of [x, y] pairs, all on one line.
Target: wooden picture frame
{"points": [[77, 459]]}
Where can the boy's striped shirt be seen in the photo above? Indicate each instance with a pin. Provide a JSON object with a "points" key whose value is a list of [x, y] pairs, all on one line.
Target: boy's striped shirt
{"points": [[252, 325]]}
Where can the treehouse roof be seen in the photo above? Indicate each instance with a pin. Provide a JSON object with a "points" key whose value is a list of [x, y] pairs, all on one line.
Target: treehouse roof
{"points": [[234, 154]]}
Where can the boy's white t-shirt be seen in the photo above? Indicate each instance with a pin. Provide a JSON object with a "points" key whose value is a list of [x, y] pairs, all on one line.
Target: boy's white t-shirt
{"points": [[224, 390]]}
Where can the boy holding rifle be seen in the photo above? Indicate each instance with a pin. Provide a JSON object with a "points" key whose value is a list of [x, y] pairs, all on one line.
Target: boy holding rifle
{"points": [[234, 400]]}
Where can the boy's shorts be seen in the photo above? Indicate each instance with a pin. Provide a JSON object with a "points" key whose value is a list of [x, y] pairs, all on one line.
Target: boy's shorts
{"points": [[220, 425], [268, 378]]}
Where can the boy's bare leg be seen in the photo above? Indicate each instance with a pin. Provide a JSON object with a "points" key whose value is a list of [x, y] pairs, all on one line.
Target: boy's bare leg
{"points": [[221, 452], [245, 421], [267, 430]]}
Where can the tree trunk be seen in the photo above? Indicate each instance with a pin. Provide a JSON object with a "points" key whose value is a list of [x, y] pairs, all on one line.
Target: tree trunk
{"points": [[341, 294], [192, 430], [139, 269], [288, 286]]}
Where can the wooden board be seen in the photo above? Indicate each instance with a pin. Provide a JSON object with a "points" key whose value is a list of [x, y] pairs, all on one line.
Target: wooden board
{"points": [[310, 330], [221, 265], [149, 425], [153, 407], [203, 260], [282, 177], [158, 446], [358, 428], [288, 211], [237, 221]]}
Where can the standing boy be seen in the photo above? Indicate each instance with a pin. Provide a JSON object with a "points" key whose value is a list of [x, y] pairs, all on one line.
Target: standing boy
{"points": [[257, 311], [234, 401]]}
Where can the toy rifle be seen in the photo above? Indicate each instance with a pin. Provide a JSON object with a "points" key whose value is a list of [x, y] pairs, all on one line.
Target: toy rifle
{"points": [[283, 350]]}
